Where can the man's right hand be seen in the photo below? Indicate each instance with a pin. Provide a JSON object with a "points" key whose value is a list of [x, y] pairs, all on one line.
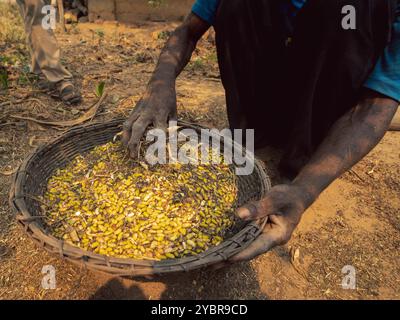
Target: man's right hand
{"points": [[157, 108]]}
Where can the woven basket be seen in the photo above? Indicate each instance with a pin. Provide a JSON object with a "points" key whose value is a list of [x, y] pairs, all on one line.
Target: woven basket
{"points": [[31, 179]]}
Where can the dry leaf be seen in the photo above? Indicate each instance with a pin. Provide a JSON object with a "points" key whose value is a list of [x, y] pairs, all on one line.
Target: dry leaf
{"points": [[32, 140], [69, 123], [8, 172]]}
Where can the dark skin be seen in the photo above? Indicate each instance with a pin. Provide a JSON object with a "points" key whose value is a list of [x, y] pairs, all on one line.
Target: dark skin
{"points": [[351, 138], [158, 105]]}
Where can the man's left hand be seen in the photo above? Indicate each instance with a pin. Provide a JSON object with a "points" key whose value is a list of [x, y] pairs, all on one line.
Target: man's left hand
{"points": [[283, 207]]}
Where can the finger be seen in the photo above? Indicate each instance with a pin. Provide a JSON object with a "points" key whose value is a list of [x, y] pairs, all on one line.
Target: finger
{"points": [[138, 129], [161, 123], [173, 115], [126, 132], [261, 245], [255, 210], [127, 125], [248, 211]]}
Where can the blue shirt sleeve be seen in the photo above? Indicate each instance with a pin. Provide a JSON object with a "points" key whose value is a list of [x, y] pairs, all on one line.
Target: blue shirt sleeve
{"points": [[298, 4], [385, 78], [206, 9]]}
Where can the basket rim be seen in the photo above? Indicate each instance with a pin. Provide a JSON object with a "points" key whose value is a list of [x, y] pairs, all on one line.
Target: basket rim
{"points": [[114, 265]]}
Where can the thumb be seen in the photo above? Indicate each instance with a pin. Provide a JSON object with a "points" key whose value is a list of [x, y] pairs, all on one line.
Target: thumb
{"points": [[253, 210]]}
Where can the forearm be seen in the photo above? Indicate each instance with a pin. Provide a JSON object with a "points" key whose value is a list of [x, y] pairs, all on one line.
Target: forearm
{"points": [[178, 50], [351, 138]]}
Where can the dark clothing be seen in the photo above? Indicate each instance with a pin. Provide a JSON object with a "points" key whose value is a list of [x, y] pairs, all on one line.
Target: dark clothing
{"points": [[385, 78], [291, 95]]}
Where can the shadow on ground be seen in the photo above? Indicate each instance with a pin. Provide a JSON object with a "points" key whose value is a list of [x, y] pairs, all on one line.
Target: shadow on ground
{"points": [[235, 282]]}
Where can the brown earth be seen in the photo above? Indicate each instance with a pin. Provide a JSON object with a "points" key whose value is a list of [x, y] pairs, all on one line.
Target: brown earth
{"points": [[129, 11], [356, 221]]}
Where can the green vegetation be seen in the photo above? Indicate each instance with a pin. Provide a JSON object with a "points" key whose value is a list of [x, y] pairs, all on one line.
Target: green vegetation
{"points": [[156, 3], [100, 89]]}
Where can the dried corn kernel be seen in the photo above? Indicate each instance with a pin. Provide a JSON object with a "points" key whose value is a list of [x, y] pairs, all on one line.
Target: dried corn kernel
{"points": [[108, 204]]}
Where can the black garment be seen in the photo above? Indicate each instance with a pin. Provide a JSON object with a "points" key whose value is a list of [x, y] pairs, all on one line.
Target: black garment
{"points": [[291, 95]]}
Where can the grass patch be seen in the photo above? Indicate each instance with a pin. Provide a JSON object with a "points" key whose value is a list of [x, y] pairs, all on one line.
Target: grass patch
{"points": [[14, 57], [11, 25]]}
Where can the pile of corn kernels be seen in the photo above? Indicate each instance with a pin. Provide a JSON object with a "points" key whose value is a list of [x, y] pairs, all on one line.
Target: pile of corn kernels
{"points": [[107, 203]]}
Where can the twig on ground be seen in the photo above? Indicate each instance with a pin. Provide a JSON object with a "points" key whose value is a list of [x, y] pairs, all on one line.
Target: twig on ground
{"points": [[89, 115]]}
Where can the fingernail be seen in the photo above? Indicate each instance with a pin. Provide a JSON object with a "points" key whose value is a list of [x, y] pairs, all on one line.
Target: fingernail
{"points": [[243, 213]]}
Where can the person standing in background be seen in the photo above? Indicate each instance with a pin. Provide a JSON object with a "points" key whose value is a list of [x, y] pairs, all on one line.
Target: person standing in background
{"points": [[45, 53]]}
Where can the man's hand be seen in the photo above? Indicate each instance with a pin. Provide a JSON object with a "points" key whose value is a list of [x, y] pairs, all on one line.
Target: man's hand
{"points": [[350, 139], [157, 108], [283, 207]]}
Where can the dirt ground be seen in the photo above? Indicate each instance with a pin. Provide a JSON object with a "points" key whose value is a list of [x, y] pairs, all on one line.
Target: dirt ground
{"points": [[356, 221]]}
